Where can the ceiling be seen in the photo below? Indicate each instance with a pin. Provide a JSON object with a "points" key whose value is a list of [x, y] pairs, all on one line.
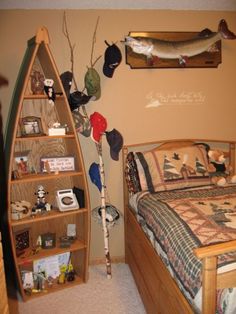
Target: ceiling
{"points": [[212, 5]]}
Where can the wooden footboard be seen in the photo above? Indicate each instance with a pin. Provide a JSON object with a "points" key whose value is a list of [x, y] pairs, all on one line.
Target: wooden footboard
{"points": [[158, 290], [210, 280]]}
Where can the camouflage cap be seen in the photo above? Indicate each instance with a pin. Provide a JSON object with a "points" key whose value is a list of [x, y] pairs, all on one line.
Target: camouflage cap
{"points": [[82, 123], [92, 83]]}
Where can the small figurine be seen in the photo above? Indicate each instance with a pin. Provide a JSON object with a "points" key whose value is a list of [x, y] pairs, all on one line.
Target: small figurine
{"points": [[70, 275], [20, 210], [49, 90], [22, 166], [41, 195], [41, 203], [62, 278], [39, 241]]}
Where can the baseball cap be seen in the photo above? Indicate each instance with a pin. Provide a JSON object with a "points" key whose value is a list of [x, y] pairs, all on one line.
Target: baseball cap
{"points": [[112, 59], [92, 83], [112, 214], [115, 141], [98, 125], [77, 99], [66, 79], [94, 174], [82, 123]]}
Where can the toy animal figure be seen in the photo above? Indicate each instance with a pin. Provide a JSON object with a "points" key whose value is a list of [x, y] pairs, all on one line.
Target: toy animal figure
{"points": [[220, 173], [41, 203], [37, 83], [41, 195], [20, 210], [49, 90], [181, 50]]}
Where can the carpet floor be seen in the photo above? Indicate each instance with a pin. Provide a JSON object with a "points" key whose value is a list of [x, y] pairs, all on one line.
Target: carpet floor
{"points": [[99, 295]]}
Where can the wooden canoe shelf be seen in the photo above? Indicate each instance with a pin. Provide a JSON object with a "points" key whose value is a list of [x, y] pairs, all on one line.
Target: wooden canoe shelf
{"points": [[26, 176]]}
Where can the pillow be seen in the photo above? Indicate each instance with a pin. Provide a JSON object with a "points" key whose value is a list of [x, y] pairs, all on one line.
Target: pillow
{"points": [[131, 174], [171, 167]]}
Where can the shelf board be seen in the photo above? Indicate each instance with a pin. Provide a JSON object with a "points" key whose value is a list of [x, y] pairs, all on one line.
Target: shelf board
{"points": [[53, 214], [40, 96], [45, 176], [54, 288], [43, 253], [44, 137]]}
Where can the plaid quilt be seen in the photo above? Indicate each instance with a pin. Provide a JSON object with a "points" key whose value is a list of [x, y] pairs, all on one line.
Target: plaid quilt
{"points": [[182, 220]]}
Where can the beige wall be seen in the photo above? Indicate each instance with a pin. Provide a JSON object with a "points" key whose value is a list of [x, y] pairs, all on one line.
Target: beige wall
{"points": [[124, 98]]}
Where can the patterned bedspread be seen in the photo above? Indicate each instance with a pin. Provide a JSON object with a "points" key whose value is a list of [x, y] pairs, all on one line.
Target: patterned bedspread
{"points": [[185, 219]]}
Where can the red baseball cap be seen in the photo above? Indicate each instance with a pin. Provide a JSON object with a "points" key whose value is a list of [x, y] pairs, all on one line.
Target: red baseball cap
{"points": [[98, 125]]}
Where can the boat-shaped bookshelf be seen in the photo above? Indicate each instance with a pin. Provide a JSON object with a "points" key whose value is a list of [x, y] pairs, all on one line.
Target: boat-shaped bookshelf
{"points": [[48, 202]]}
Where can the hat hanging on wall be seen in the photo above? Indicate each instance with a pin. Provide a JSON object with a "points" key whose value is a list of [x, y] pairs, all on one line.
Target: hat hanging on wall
{"points": [[112, 215], [94, 174], [98, 125], [112, 58], [77, 99], [92, 83], [115, 141], [66, 79], [82, 123]]}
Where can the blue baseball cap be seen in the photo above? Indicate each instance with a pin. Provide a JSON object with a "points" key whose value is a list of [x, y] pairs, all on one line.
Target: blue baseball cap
{"points": [[94, 174]]}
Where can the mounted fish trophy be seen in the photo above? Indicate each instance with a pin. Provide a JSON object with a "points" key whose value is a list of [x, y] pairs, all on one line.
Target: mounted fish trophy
{"points": [[176, 49]]}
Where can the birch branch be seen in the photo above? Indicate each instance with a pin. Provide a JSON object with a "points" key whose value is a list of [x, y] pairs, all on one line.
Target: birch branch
{"points": [[93, 45], [72, 47], [103, 210]]}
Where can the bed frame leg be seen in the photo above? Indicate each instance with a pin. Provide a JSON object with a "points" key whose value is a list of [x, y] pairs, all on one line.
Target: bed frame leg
{"points": [[209, 284]]}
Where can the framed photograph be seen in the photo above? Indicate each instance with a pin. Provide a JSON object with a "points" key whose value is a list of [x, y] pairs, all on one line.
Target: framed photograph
{"points": [[31, 126], [57, 164], [22, 240], [48, 240], [21, 160]]}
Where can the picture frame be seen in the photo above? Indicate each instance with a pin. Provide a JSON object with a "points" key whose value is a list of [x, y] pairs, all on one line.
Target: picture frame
{"points": [[31, 126], [21, 164], [48, 240], [22, 240], [57, 164]]}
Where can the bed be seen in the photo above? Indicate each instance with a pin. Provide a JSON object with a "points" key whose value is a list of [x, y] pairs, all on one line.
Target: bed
{"points": [[180, 229]]}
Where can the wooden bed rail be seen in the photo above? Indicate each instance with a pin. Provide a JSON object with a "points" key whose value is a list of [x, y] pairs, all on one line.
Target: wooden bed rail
{"points": [[210, 280], [215, 249]]}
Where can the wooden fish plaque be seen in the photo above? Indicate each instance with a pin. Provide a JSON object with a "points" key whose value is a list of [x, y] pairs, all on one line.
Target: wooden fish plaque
{"points": [[210, 58]]}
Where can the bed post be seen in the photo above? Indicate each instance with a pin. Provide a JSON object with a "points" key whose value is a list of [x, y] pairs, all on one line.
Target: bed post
{"points": [[232, 157], [125, 189], [209, 284], [210, 280]]}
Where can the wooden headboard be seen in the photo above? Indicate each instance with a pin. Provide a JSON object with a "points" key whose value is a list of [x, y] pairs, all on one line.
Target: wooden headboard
{"points": [[226, 146]]}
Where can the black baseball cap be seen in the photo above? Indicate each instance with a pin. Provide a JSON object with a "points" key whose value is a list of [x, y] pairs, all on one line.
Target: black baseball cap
{"points": [[112, 59]]}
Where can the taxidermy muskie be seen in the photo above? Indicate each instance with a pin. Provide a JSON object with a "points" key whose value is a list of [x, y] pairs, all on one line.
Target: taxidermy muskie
{"points": [[181, 50]]}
